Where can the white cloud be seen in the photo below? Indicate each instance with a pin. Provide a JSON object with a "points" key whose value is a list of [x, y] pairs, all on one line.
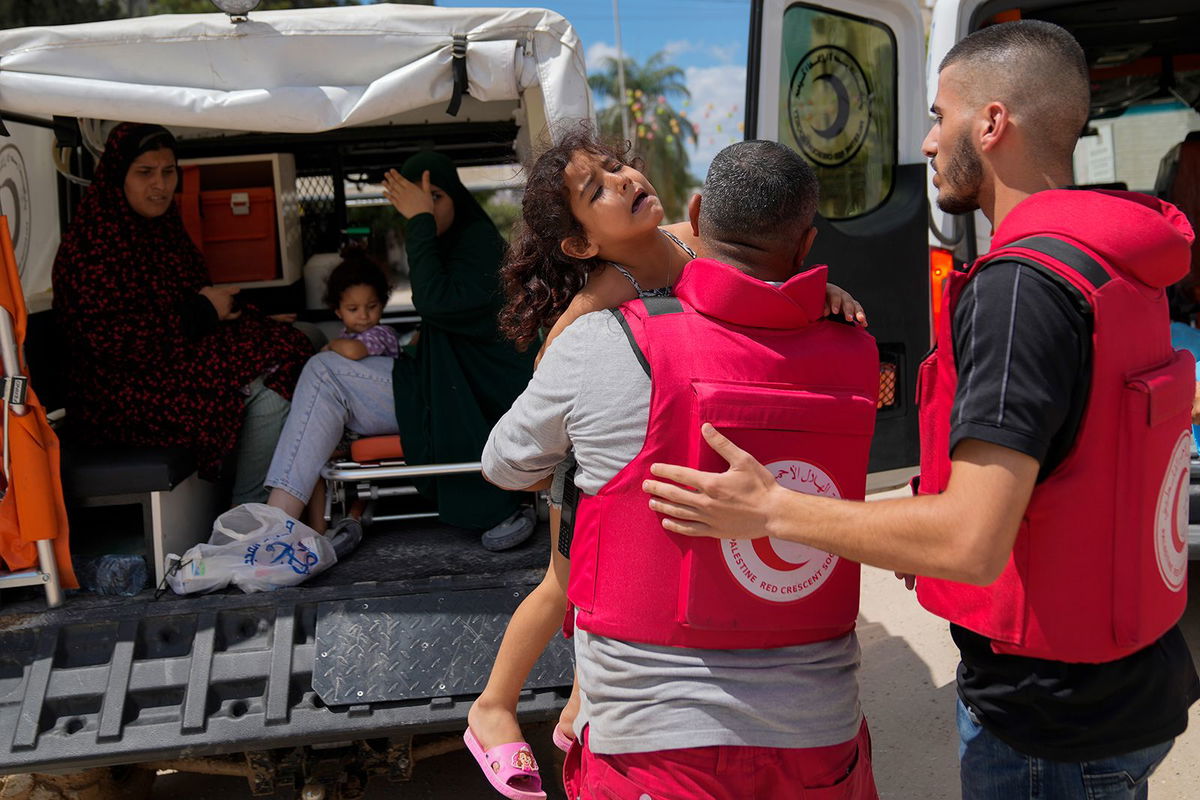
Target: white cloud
{"points": [[720, 53], [677, 47], [724, 53], [718, 97], [597, 53]]}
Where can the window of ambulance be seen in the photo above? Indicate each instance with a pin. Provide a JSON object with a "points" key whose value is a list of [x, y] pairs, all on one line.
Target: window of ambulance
{"points": [[1130, 149], [837, 105], [1145, 73], [840, 82]]}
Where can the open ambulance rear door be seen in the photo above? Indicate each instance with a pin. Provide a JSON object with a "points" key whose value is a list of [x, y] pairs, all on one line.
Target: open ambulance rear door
{"points": [[1144, 58], [843, 83], [961, 237]]}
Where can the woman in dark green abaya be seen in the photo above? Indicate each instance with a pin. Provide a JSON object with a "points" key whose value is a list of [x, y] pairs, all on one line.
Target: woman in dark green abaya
{"points": [[463, 374], [444, 393]]}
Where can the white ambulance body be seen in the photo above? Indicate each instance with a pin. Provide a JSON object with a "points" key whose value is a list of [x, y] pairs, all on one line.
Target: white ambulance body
{"points": [[848, 83]]}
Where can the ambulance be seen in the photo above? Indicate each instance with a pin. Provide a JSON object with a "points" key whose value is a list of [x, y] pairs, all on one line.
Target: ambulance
{"points": [[100, 694], [286, 122], [848, 83]]}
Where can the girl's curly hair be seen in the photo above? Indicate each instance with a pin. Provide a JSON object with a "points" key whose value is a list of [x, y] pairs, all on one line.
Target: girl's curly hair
{"points": [[358, 268], [538, 278]]}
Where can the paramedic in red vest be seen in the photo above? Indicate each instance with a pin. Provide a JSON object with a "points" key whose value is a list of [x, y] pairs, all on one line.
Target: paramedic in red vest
{"points": [[1051, 526], [708, 669]]}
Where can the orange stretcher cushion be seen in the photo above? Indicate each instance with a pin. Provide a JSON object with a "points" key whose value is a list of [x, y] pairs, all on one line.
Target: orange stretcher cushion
{"points": [[376, 448]]}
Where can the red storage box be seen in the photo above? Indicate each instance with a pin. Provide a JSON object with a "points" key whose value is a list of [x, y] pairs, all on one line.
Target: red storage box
{"points": [[238, 228]]}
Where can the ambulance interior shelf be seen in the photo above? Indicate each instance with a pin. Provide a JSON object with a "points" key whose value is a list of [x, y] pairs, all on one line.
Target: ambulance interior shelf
{"points": [[241, 214], [233, 228]]}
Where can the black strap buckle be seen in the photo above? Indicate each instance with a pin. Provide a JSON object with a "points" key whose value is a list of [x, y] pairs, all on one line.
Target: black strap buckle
{"points": [[570, 502], [459, 66]]}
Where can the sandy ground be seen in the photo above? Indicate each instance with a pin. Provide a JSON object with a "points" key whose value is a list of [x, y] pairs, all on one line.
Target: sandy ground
{"points": [[907, 694]]}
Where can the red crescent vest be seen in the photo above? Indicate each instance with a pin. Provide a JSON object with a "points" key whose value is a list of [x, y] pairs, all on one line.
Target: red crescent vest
{"points": [[1099, 566], [799, 394]]}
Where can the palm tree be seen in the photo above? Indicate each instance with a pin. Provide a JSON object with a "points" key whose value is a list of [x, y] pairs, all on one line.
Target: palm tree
{"points": [[659, 133]]}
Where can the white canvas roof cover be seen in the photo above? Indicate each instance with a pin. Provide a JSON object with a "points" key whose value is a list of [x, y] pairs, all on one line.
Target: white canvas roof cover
{"points": [[358, 65]]}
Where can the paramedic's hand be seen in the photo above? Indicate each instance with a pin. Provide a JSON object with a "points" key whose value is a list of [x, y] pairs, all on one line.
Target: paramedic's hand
{"points": [[909, 579], [838, 301], [222, 299], [407, 197], [729, 505]]}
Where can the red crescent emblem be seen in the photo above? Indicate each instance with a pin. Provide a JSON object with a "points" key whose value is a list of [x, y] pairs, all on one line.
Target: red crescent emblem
{"points": [[764, 550], [1178, 536]]}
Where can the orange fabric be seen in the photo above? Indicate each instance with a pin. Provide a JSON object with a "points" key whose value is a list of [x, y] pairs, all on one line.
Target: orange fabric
{"points": [[32, 507], [376, 448], [1185, 192]]}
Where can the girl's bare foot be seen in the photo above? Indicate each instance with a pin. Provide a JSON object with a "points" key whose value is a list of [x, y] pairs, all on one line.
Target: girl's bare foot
{"points": [[493, 723], [566, 720]]}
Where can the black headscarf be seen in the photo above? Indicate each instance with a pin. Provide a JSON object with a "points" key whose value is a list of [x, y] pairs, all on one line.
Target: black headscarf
{"points": [[444, 175], [122, 285]]}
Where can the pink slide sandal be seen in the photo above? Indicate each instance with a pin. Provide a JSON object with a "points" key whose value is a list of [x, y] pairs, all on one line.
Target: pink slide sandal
{"points": [[561, 740], [510, 768]]}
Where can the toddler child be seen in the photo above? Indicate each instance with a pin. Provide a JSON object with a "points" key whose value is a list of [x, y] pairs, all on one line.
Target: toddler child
{"points": [[357, 292]]}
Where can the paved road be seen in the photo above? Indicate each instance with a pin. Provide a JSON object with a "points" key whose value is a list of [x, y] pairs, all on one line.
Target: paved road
{"points": [[908, 695]]}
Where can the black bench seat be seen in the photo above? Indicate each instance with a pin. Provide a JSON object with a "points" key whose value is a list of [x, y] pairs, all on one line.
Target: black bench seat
{"points": [[117, 470]]}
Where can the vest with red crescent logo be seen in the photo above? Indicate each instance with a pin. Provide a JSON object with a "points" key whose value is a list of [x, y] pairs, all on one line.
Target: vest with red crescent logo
{"points": [[798, 393], [1099, 566]]}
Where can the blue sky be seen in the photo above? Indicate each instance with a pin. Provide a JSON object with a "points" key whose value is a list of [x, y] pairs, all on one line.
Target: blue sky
{"points": [[706, 38]]}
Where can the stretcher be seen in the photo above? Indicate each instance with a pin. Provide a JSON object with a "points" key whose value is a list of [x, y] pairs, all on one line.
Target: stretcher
{"points": [[376, 469], [33, 517]]}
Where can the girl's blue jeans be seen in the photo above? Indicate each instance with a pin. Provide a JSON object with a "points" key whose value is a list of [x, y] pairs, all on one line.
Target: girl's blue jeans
{"points": [[332, 395]]}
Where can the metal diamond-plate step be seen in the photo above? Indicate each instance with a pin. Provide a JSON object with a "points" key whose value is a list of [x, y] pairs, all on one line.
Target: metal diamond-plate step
{"points": [[420, 646]]}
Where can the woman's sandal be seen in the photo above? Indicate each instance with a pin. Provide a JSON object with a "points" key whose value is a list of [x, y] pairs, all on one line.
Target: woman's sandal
{"points": [[510, 768]]}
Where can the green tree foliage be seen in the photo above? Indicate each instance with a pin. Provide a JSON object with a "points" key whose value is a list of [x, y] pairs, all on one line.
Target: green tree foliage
{"points": [[503, 207], [658, 131], [20, 13]]}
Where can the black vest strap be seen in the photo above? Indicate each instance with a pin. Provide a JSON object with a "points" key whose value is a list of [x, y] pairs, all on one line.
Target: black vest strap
{"points": [[657, 306], [570, 502], [1068, 254], [637, 351], [1087, 267]]}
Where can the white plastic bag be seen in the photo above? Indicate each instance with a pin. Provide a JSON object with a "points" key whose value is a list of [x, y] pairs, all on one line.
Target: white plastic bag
{"points": [[255, 547]]}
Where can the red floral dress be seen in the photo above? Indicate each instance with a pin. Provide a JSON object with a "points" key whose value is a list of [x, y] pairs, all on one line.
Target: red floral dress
{"points": [[122, 286]]}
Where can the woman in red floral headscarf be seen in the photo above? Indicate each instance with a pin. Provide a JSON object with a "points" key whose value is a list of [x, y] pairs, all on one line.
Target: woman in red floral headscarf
{"points": [[158, 355]]}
